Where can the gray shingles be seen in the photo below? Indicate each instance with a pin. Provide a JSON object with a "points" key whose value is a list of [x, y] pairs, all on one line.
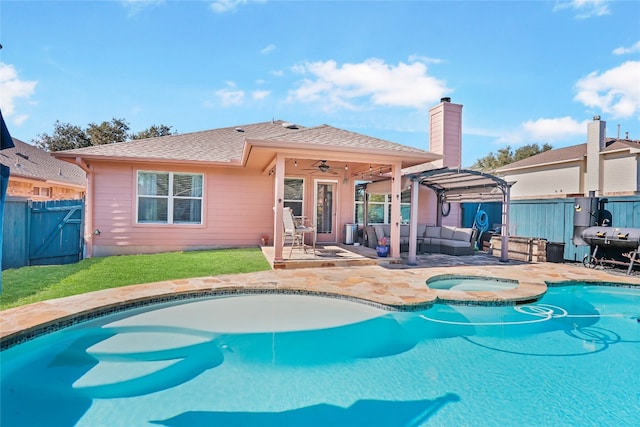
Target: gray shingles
{"points": [[565, 154], [226, 144], [28, 161], [217, 145]]}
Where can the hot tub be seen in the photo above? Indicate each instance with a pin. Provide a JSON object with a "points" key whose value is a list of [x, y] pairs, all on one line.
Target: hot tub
{"points": [[454, 282]]}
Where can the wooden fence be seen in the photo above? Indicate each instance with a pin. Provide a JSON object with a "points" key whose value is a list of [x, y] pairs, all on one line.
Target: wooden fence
{"points": [[42, 233], [552, 219]]}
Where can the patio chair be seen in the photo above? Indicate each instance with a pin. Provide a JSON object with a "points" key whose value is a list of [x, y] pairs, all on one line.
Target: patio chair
{"points": [[296, 231]]}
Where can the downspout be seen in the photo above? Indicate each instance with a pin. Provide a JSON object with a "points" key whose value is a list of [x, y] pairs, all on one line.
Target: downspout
{"points": [[439, 203], [88, 209]]}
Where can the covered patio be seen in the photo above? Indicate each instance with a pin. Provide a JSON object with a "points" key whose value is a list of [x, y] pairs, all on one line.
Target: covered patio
{"points": [[341, 255]]}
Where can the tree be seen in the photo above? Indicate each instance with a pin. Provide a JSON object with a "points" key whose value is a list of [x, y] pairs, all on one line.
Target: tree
{"points": [[153, 132], [530, 150], [67, 137], [505, 156], [108, 132]]}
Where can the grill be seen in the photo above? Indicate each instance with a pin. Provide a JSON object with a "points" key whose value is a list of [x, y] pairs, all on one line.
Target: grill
{"points": [[619, 238], [609, 245]]}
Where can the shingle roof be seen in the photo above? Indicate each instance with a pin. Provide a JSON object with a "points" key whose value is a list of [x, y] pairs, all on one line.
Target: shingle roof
{"points": [[217, 145], [566, 154], [574, 152], [621, 144], [28, 161], [226, 144], [329, 135]]}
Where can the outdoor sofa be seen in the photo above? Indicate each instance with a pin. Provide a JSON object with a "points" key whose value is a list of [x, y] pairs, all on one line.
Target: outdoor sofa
{"points": [[432, 239]]}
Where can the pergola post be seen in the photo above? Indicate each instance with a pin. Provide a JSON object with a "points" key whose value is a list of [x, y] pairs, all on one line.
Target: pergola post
{"points": [[413, 223]]}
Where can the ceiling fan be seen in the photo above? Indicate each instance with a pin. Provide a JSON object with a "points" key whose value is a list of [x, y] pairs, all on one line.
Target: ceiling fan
{"points": [[323, 167]]}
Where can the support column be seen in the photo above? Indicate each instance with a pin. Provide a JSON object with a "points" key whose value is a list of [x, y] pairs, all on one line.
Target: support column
{"points": [[278, 226], [396, 188]]}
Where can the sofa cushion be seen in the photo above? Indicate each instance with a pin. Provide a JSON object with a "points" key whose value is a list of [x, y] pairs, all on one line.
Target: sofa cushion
{"points": [[372, 240], [447, 232], [463, 234], [454, 243], [432, 232], [379, 231], [404, 231]]}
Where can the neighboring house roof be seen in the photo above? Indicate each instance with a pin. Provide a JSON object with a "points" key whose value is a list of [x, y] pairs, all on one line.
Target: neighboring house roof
{"points": [[226, 145], [568, 154], [31, 162]]}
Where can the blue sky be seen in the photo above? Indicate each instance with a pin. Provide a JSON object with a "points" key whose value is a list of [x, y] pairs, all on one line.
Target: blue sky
{"points": [[526, 72]]}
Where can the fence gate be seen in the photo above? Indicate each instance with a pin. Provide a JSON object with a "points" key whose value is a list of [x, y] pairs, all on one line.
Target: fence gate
{"points": [[42, 233]]}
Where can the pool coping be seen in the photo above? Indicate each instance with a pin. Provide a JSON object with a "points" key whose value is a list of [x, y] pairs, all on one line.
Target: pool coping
{"points": [[387, 288]]}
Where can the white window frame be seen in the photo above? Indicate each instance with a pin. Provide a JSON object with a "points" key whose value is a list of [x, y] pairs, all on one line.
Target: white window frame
{"points": [[304, 183], [170, 199], [386, 206]]}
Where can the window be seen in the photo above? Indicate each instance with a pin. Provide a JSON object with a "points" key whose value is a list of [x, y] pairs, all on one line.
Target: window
{"points": [[169, 198], [42, 191], [294, 195], [380, 207]]}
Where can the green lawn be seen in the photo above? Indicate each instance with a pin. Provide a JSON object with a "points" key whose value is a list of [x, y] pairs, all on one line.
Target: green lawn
{"points": [[27, 285]]}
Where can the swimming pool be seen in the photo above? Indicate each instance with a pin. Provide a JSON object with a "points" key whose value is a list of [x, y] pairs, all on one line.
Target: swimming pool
{"points": [[570, 358]]}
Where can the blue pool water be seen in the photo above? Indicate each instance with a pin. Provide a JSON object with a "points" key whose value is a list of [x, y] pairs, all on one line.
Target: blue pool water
{"points": [[572, 358], [451, 282]]}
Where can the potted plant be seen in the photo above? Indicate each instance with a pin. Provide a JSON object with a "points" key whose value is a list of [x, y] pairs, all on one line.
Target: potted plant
{"points": [[382, 248]]}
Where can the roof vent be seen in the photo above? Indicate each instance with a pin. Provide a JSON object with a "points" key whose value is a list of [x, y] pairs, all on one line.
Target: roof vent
{"points": [[289, 125], [447, 99], [239, 130], [24, 156]]}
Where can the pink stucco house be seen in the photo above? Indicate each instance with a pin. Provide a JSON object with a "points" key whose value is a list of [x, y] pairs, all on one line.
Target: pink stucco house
{"points": [[227, 187]]}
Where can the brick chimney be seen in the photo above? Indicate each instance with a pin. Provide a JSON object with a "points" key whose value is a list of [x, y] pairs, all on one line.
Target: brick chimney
{"points": [[595, 144], [445, 133]]}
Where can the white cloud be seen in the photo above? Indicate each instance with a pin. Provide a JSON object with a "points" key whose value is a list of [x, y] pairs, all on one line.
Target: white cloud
{"points": [[136, 6], [260, 94], [543, 130], [224, 6], [11, 89], [425, 59], [615, 91], [268, 49], [625, 50], [374, 81], [230, 95], [585, 8], [19, 119], [557, 129]]}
